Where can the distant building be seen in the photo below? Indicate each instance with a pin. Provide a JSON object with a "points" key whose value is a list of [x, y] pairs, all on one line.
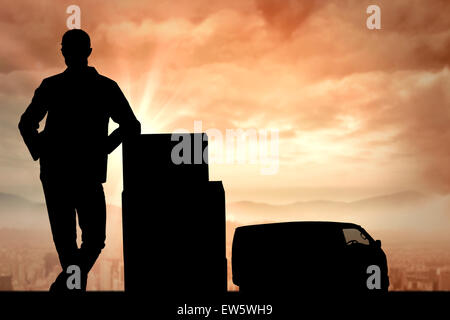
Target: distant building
{"points": [[419, 282], [50, 261], [106, 275], [397, 279], [6, 283], [444, 280]]}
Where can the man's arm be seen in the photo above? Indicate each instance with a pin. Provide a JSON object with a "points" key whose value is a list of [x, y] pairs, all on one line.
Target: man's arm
{"points": [[29, 121], [122, 114]]}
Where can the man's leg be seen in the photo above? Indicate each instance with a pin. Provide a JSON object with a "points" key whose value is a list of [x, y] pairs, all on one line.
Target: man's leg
{"points": [[91, 209], [61, 213]]}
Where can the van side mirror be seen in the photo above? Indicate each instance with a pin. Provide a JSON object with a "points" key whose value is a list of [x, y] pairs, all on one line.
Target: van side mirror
{"points": [[378, 243]]}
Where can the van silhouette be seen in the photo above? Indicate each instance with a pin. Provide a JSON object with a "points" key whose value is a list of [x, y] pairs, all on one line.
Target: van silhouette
{"points": [[302, 257]]}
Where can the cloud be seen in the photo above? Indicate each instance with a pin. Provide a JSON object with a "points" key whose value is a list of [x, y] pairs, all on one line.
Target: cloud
{"points": [[338, 92], [287, 16]]}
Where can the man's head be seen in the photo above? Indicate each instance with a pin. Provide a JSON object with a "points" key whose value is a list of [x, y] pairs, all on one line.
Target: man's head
{"points": [[76, 48]]}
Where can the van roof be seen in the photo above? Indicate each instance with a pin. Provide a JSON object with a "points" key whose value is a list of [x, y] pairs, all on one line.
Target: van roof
{"points": [[304, 224]]}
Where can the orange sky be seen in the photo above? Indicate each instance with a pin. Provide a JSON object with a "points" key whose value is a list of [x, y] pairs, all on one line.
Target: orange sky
{"points": [[359, 112]]}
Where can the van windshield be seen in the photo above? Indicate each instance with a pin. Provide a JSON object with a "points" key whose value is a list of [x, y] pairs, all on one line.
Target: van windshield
{"points": [[353, 235]]}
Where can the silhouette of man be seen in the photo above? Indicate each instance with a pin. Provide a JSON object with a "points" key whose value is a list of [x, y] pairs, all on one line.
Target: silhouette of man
{"points": [[73, 150]]}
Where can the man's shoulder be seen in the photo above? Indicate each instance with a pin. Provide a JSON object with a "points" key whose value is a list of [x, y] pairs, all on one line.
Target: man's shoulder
{"points": [[105, 80], [53, 79], [101, 79]]}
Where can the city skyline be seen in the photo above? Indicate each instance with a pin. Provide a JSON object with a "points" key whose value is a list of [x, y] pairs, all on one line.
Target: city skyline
{"points": [[361, 114]]}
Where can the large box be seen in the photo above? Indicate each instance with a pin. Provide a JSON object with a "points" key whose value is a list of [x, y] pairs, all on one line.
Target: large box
{"points": [[150, 159], [173, 222]]}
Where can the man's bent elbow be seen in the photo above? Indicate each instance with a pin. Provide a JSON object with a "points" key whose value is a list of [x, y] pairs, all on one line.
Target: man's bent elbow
{"points": [[21, 125], [131, 130], [137, 128]]}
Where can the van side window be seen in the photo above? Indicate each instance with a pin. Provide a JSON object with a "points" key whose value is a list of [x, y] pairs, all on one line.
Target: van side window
{"points": [[353, 235]]}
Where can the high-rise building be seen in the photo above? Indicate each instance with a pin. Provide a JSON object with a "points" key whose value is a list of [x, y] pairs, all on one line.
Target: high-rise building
{"points": [[6, 283], [444, 280]]}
